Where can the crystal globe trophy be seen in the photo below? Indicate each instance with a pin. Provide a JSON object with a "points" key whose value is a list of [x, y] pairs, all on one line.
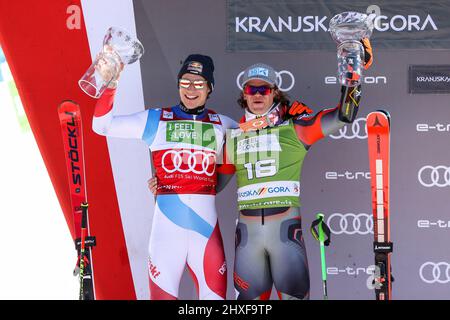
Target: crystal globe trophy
{"points": [[119, 48], [347, 29]]}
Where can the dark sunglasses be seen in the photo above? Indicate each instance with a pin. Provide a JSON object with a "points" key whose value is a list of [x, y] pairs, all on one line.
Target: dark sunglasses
{"points": [[262, 90]]}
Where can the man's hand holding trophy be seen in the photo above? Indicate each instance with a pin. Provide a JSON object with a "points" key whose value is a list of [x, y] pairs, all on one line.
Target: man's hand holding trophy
{"points": [[119, 49], [351, 31]]}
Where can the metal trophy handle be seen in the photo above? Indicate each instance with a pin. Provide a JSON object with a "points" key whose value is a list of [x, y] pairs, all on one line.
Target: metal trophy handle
{"points": [[119, 48], [347, 29]]}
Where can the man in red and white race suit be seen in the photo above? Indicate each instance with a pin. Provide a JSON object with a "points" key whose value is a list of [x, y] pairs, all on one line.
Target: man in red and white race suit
{"points": [[185, 140]]}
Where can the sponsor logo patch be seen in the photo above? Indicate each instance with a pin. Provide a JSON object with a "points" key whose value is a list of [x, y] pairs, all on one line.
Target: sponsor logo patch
{"points": [[429, 79], [195, 67], [258, 72], [167, 115], [269, 190], [260, 143], [213, 117], [191, 132]]}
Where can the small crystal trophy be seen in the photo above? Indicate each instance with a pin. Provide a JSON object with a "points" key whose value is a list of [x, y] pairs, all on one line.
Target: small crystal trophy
{"points": [[347, 29], [119, 48]]}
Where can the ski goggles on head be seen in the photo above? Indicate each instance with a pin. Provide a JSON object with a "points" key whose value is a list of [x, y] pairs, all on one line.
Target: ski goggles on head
{"points": [[262, 90], [198, 84]]}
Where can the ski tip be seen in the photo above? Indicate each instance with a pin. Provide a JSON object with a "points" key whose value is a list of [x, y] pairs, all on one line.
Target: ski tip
{"points": [[377, 116], [67, 106], [385, 112], [67, 102], [382, 111], [388, 115]]}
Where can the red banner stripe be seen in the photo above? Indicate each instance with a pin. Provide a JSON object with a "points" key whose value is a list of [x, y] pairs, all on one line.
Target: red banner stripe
{"points": [[47, 59]]}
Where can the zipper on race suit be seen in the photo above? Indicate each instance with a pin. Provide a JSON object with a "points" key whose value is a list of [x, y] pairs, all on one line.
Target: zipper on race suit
{"points": [[257, 159]]}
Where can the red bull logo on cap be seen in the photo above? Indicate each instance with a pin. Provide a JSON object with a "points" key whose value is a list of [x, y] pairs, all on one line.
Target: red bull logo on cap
{"points": [[195, 66]]}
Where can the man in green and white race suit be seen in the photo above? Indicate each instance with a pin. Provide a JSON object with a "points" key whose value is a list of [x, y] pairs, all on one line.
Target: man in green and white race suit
{"points": [[268, 151]]}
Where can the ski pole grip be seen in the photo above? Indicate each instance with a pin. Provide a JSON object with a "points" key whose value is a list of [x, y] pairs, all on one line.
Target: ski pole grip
{"points": [[314, 232], [323, 231], [84, 208]]}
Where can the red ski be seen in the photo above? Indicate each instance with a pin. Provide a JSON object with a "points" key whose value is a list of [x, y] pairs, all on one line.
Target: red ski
{"points": [[72, 133], [378, 129]]}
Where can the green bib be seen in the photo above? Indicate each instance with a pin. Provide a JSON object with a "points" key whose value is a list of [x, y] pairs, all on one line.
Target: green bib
{"points": [[268, 164]]}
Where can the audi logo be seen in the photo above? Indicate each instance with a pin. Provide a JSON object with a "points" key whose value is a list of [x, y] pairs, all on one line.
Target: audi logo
{"points": [[431, 272], [434, 176], [350, 223], [357, 130], [285, 80], [191, 160]]}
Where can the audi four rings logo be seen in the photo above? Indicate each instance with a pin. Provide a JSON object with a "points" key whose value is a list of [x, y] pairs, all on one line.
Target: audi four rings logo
{"points": [[434, 176], [285, 80], [431, 272], [191, 159], [351, 223], [357, 130]]}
